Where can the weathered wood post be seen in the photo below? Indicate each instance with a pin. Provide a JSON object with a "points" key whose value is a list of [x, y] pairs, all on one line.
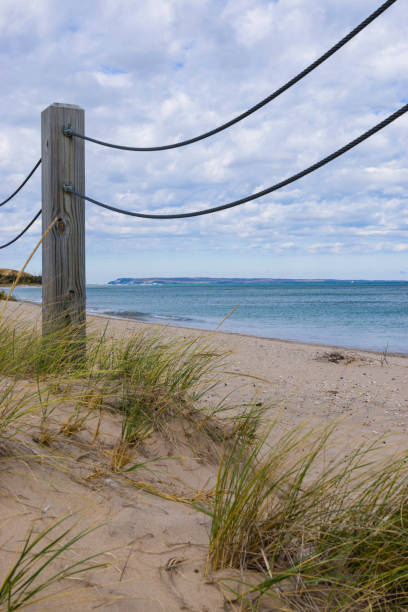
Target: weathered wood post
{"points": [[63, 249]]}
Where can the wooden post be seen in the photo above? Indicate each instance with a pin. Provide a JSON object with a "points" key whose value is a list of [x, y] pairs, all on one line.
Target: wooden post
{"points": [[63, 249]]}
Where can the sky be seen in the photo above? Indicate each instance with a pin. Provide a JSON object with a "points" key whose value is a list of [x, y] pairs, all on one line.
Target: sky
{"points": [[150, 73]]}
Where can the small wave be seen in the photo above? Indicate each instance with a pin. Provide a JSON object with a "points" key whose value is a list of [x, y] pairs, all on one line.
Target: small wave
{"points": [[127, 314], [172, 318], [143, 316]]}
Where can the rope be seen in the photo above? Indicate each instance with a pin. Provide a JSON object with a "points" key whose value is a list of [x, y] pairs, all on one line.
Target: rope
{"points": [[3, 246], [21, 272], [258, 194], [69, 132], [22, 184]]}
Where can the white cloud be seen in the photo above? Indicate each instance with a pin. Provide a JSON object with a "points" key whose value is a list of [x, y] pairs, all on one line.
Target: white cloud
{"points": [[112, 80], [157, 72], [401, 247]]}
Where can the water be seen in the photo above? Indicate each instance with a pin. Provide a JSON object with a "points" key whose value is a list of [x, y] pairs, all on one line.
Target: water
{"points": [[359, 314]]}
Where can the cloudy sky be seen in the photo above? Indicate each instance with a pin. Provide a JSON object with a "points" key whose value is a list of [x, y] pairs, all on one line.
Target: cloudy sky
{"points": [[149, 73]]}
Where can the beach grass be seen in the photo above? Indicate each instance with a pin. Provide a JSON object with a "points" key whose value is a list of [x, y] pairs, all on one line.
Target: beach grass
{"points": [[4, 296], [29, 576], [324, 538], [145, 378], [312, 534], [15, 404]]}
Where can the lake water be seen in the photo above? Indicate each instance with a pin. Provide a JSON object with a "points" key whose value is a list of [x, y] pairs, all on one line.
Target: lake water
{"points": [[355, 314]]}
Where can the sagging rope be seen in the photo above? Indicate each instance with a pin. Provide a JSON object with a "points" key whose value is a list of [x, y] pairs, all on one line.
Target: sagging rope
{"points": [[258, 194]]}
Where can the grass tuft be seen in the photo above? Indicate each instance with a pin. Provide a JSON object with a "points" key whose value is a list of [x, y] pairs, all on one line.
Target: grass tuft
{"points": [[4, 296], [147, 379], [29, 575], [331, 539]]}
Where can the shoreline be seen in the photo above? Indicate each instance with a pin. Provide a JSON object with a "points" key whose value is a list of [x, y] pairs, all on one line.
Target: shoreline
{"points": [[228, 333], [241, 334]]}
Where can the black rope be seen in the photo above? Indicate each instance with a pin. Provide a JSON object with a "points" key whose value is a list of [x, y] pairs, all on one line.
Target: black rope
{"points": [[69, 132], [22, 184], [258, 194], [3, 246]]}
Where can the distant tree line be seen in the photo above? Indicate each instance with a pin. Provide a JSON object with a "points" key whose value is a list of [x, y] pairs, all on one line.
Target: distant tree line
{"points": [[7, 278]]}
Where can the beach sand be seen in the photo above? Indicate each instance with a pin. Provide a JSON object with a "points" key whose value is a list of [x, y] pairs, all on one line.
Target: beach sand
{"points": [[365, 393]]}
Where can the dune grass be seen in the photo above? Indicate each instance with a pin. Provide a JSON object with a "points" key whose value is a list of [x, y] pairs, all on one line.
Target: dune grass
{"points": [[4, 296], [144, 378], [325, 538], [15, 404], [156, 377], [30, 574], [317, 536], [147, 379], [24, 354]]}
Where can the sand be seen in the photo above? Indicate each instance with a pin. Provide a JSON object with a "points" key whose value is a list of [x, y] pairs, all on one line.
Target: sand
{"points": [[366, 393]]}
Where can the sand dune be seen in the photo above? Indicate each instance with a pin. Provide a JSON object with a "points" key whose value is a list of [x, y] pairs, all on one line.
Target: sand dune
{"points": [[157, 546]]}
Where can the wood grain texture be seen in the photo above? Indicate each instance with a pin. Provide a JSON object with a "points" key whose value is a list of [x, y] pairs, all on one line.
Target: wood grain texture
{"points": [[63, 250]]}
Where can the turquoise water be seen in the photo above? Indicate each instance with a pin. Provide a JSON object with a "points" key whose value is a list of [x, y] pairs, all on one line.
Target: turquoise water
{"points": [[359, 314]]}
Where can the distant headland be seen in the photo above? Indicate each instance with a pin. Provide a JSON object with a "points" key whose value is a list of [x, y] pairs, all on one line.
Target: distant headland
{"points": [[203, 280], [8, 276]]}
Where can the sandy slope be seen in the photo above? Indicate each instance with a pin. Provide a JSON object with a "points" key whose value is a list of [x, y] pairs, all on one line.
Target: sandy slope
{"points": [[148, 534]]}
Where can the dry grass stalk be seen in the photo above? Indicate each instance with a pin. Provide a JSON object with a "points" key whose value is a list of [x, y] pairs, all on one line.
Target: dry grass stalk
{"points": [[332, 541]]}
